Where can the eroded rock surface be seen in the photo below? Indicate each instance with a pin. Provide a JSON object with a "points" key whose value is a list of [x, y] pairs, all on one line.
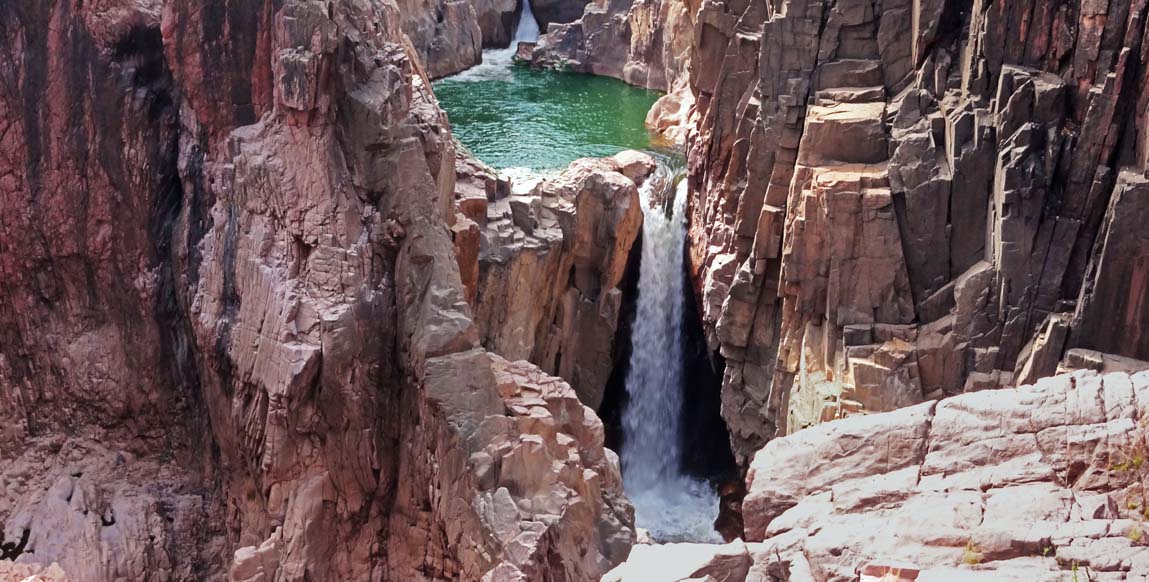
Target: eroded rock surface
{"points": [[903, 201], [1029, 484], [445, 34], [449, 35], [643, 42], [548, 263], [235, 339]]}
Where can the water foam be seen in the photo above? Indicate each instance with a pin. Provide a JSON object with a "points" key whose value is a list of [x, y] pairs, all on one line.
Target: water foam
{"points": [[670, 505]]}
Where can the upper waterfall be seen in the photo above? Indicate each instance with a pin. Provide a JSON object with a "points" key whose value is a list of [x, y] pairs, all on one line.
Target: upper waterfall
{"points": [[528, 28], [496, 65]]}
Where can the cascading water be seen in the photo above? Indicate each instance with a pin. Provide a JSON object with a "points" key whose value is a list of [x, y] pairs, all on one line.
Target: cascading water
{"points": [[530, 123], [496, 65], [670, 505]]}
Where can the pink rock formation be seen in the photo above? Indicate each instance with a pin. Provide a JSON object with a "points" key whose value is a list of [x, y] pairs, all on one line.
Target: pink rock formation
{"points": [[235, 340], [1029, 484], [1038, 480], [449, 35], [249, 290], [645, 43], [914, 199], [548, 275]]}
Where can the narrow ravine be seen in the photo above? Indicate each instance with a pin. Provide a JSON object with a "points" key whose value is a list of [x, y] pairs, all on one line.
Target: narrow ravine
{"points": [[528, 123]]}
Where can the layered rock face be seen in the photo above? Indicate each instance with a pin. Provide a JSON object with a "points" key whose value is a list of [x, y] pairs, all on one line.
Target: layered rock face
{"points": [[547, 264], [236, 344], [915, 199], [446, 33], [449, 35], [644, 42], [1039, 483]]}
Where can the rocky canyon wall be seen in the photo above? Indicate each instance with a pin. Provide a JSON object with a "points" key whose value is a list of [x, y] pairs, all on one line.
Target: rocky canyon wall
{"points": [[897, 201], [543, 267], [235, 340], [643, 42], [449, 35]]}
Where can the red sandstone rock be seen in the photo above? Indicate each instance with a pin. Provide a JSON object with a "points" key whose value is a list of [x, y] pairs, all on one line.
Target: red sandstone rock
{"points": [[645, 43], [1007, 186], [229, 280], [551, 265]]}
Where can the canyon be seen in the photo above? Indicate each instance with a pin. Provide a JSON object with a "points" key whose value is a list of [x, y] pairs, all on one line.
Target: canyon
{"points": [[876, 295]]}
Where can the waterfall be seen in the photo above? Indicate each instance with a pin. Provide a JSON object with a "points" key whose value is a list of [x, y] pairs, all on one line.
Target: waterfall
{"points": [[496, 65], [672, 506], [527, 29]]}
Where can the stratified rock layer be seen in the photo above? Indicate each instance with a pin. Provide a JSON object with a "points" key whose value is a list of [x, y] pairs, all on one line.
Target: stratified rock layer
{"points": [[234, 339], [899, 201]]}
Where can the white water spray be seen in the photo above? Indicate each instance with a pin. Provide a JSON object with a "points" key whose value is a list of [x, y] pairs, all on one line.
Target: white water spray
{"points": [[672, 506], [496, 65]]}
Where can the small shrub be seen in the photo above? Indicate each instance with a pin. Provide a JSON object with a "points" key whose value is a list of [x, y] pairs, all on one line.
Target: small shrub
{"points": [[972, 555], [1136, 534]]}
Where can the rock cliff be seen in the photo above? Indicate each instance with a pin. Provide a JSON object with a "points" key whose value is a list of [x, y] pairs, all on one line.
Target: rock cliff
{"points": [[643, 42], [905, 200], [234, 339], [449, 35], [261, 321], [547, 265]]}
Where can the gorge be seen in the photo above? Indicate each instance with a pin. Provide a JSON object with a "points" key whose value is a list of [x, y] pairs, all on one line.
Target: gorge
{"points": [[529, 124], [405, 290]]}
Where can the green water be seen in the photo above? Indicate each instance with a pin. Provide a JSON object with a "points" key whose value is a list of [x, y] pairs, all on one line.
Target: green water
{"points": [[517, 117]]}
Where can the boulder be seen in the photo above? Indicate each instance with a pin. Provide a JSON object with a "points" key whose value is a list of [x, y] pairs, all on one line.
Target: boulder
{"points": [[1040, 482]]}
